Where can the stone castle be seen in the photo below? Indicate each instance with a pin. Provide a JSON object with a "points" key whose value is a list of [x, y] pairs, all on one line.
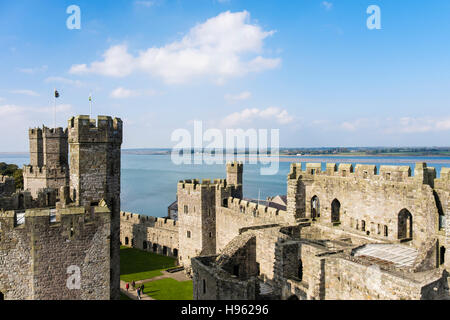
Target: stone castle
{"points": [[66, 220], [341, 232], [344, 233]]}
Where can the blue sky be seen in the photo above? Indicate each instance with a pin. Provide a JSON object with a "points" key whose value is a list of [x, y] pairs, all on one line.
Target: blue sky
{"points": [[311, 68]]}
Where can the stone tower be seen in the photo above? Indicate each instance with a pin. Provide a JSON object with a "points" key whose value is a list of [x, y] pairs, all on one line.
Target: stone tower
{"points": [[235, 172], [48, 160], [95, 175], [197, 207], [197, 220]]}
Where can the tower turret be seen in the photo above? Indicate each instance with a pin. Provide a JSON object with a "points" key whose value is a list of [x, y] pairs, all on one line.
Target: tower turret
{"points": [[95, 174], [235, 172], [48, 167]]}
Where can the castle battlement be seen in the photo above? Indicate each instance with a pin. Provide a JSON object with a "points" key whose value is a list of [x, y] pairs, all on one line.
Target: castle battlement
{"points": [[196, 185], [135, 218], [6, 179], [103, 130], [44, 171], [363, 171], [42, 219], [251, 208], [235, 165]]}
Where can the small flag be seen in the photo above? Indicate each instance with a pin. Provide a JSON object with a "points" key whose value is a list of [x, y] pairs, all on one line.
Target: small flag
{"points": [[90, 98], [56, 94]]}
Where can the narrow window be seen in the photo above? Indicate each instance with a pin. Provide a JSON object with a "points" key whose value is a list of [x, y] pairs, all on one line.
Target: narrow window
{"points": [[236, 270], [386, 231], [204, 286], [188, 234], [300, 270], [442, 255], [363, 225]]}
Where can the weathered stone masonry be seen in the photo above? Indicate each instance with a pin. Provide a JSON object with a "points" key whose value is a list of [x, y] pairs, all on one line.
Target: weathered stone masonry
{"points": [[35, 255], [347, 233]]}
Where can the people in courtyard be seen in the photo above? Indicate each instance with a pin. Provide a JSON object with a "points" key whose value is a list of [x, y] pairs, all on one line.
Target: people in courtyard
{"points": [[139, 293], [127, 286], [133, 284]]}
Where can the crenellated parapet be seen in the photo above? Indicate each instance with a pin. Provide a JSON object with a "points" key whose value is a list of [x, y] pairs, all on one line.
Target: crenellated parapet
{"points": [[40, 220], [45, 172], [422, 173], [83, 129], [7, 185], [253, 209], [148, 221]]}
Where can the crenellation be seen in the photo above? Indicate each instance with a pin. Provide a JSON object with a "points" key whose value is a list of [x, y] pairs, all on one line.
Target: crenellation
{"points": [[339, 224]]}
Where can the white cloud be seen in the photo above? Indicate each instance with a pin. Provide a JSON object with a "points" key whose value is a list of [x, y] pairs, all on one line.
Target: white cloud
{"points": [[26, 92], [33, 70], [327, 5], [222, 47], [122, 93], [238, 97], [249, 115], [146, 4], [62, 80]]}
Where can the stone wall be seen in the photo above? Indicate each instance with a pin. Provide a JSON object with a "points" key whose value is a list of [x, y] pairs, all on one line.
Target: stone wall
{"points": [[48, 160], [367, 203], [35, 256], [240, 214], [211, 283], [95, 174], [158, 235], [7, 185]]}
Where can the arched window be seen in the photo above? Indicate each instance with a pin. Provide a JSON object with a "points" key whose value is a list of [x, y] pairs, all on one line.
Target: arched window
{"points": [[440, 211], [155, 247], [300, 270], [405, 225], [126, 241], [144, 245], [335, 211], [165, 250], [175, 252], [315, 207]]}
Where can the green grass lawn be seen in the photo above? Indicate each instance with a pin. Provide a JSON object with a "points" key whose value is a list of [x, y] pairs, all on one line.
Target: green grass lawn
{"points": [[169, 289], [137, 264]]}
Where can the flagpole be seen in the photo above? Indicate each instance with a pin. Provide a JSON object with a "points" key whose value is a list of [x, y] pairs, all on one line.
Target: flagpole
{"points": [[54, 109], [90, 105]]}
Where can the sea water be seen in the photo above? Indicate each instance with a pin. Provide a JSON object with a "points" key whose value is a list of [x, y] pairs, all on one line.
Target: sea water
{"points": [[149, 182]]}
